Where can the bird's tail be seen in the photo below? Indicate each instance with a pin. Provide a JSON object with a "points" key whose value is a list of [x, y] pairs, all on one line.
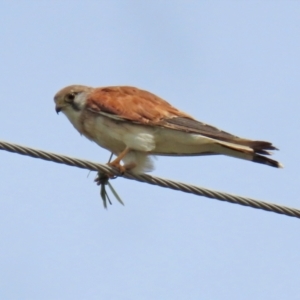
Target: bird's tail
{"points": [[266, 161], [254, 151]]}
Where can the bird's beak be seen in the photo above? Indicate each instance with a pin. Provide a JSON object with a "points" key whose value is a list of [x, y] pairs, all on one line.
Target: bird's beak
{"points": [[57, 109]]}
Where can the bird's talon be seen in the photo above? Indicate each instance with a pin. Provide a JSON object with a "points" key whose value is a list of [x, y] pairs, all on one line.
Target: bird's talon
{"points": [[117, 166]]}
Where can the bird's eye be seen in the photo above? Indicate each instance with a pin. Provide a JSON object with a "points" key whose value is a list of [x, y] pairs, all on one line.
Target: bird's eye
{"points": [[70, 97]]}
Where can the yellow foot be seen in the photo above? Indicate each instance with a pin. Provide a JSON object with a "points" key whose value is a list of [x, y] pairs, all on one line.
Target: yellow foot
{"points": [[116, 163], [118, 166]]}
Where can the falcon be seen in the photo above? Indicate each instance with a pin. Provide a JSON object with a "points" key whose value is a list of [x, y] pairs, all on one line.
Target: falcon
{"points": [[135, 124]]}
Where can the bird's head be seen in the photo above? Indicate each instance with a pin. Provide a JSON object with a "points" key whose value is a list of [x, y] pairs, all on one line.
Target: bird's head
{"points": [[71, 98]]}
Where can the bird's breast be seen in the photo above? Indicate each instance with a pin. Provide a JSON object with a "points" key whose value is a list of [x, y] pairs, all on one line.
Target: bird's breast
{"points": [[103, 131]]}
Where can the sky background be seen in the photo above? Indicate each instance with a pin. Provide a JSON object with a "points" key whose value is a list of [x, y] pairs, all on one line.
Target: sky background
{"points": [[232, 64]]}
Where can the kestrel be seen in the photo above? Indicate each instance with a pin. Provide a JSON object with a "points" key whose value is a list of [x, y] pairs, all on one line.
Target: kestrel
{"points": [[135, 124]]}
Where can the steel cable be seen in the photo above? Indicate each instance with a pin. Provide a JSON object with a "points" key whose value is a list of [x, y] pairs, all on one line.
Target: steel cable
{"points": [[166, 183]]}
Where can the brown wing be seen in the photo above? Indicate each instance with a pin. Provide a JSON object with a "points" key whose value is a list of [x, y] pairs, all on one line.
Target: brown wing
{"points": [[142, 107], [132, 104]]}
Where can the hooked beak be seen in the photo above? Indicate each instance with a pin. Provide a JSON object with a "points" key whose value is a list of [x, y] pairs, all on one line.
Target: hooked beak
{"points": [[57, 109]]}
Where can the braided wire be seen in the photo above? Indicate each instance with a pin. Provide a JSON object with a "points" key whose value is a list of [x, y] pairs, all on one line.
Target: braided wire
{"points": [[166, 183]]}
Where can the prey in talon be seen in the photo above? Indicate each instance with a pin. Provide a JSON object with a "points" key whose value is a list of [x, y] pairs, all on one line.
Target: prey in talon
{"points": [[102, 179], [135, 124]]}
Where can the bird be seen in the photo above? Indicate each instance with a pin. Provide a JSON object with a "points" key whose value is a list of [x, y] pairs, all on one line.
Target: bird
{"points": [[136, 125]]}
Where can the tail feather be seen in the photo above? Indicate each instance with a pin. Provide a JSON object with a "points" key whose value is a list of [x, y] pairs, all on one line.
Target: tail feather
{"points": [[257, 145], [266, 161], [249, 153]]}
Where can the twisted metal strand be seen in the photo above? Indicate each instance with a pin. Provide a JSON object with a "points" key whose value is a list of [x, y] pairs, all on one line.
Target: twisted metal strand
{"points": [[166, 183]]}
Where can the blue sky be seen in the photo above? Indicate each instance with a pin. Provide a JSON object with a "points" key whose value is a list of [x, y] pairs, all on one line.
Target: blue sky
{"points": [[232, 64]]}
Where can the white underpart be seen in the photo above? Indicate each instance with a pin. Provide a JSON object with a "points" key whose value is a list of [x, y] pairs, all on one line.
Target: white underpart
{"points": [[73, 116], [116, 136], [141, 161]]}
